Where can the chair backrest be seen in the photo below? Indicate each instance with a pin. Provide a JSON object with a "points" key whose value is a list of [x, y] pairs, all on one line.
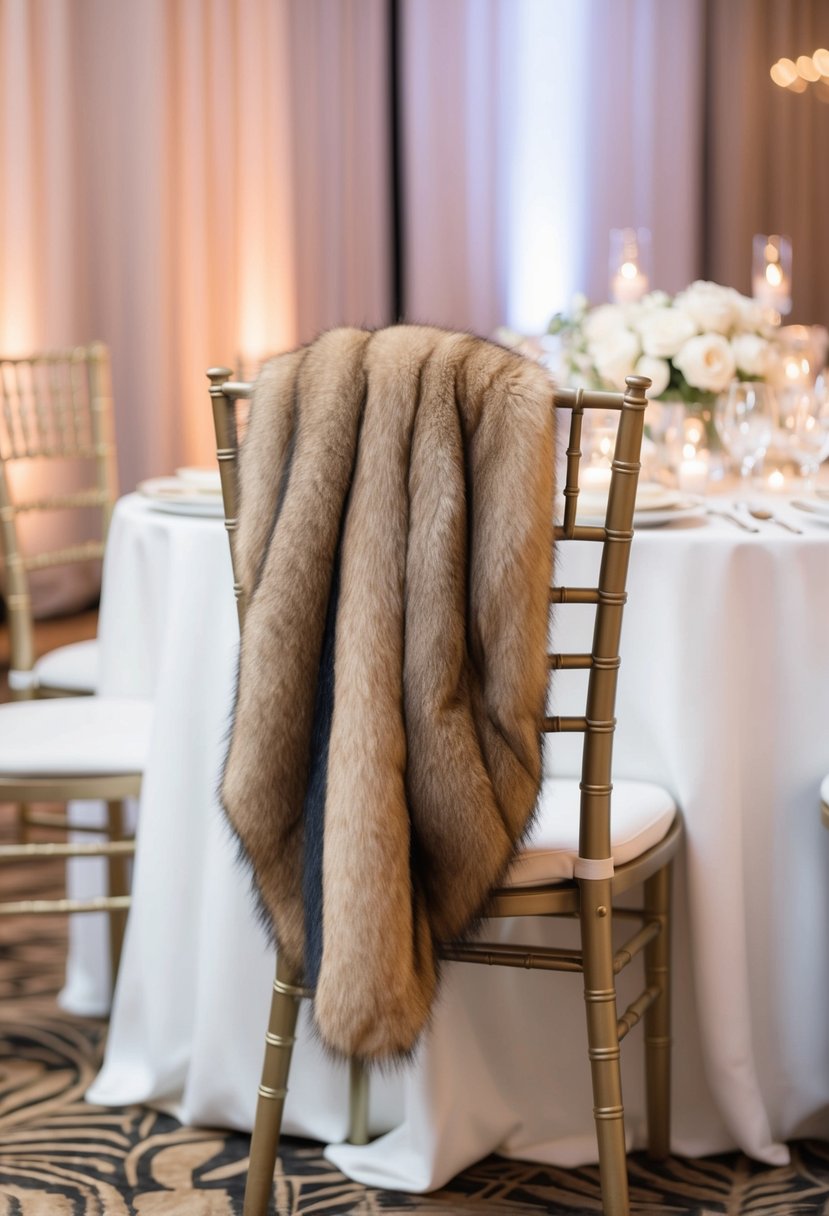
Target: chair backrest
{"points": [[598, 722], [54, 407]]}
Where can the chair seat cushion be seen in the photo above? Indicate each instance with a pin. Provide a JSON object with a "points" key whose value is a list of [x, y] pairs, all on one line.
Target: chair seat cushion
{"points": [[71, 668], [74, 735], [641, 815]]}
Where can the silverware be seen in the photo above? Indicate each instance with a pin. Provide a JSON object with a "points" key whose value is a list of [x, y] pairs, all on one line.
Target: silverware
{"points": [[768, 517], [758, 513], [740, 523]]}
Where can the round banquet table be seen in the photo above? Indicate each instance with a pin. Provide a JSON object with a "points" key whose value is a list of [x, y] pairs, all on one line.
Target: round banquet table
{"points": [[723, 699]]}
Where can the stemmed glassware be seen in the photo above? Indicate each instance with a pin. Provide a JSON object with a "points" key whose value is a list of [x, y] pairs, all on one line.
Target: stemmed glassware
{"points": [[803, 426], [745, 418]]}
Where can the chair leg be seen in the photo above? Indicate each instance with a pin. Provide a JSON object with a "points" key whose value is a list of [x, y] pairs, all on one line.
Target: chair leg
{"points": [[603, 1044], [658, 1017], [279, 1042], [22, 828], [118, 883], [358, 1092]]}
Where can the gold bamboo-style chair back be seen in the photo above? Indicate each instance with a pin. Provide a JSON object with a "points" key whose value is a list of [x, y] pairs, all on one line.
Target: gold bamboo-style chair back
{"points": [[589, 893], [55, 407]]}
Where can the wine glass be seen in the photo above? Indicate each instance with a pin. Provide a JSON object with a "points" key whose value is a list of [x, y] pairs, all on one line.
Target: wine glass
{"points": [[803, 425], [744, 419]]}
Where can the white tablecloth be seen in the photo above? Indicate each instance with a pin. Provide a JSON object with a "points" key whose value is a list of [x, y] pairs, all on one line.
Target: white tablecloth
{"points": [[723, 698]]}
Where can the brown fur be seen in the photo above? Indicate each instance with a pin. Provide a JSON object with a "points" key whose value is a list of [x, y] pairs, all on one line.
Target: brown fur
{"points": [[440, 666]]}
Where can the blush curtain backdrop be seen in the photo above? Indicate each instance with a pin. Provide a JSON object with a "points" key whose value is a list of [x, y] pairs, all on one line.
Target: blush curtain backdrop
{"points": [[210, 181]]}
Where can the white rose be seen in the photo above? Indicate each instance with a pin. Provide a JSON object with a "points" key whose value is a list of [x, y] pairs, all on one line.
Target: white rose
{"points": [[749, 313], [658, 372], [707, 362], [655, 299], [615, 356], [710, 306], [751, 353], [664, 331], [603, 321]]}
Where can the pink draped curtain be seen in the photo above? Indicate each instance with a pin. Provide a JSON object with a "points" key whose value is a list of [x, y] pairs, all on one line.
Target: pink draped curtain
{"points": [[205, 181], [192, 182]]}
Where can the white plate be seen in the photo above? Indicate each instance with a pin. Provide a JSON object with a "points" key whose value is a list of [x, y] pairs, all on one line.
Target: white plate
{"points": [[818, 511], [651, 518], [655, 519], [201, 479], [174, 496], [650, 496]]}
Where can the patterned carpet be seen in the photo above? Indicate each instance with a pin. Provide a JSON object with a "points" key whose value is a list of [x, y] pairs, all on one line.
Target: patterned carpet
{"points": [[62, 1157]]}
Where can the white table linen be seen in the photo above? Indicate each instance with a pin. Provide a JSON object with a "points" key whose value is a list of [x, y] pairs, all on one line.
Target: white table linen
{"points": [[723, 698]]}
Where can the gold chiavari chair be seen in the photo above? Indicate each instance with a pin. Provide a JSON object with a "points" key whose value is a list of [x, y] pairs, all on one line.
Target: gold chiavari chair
{"points": [[56, 406], [57, 743], [578, 859]]}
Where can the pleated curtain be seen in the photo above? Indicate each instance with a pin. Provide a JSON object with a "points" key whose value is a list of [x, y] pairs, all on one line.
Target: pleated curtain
{"points": [[205, 181]]}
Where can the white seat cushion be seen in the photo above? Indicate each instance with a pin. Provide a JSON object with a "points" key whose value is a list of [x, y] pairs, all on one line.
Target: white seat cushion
{"points": [[74, 735], [824, 790], [71, 668], [641, 815]]}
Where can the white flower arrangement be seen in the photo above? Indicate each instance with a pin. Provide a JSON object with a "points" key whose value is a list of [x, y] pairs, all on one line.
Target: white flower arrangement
{"points": [[691, 345]]}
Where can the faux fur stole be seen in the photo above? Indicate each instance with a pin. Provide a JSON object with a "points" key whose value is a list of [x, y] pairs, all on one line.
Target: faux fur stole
{"points": [[394, 544]]}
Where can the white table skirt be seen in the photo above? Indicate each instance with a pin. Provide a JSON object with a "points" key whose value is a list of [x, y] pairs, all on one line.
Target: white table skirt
{"points": [[723, 698]]}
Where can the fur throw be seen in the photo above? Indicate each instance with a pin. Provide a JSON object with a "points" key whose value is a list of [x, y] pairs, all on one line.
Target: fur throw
{"points": [[394, 547]]}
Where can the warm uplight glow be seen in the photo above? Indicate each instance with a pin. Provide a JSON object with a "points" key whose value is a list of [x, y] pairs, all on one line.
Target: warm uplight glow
{"points": [[806, 68], [628, 270], [776, 480], [774, 275]]}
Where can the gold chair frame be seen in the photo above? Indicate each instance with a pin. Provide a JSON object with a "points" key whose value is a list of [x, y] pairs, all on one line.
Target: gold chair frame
{"points": [[590, 896], [58, 406], [55, 406]]}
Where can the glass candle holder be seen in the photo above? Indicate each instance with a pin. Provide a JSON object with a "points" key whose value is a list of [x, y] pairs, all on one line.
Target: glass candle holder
{"points": [[629, 267], [771, 273]]}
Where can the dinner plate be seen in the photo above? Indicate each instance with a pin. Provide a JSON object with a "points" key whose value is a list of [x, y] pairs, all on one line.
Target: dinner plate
{"points": [[177, 497], [684, 508], [814, 508], [201, 479], [650, 496]]}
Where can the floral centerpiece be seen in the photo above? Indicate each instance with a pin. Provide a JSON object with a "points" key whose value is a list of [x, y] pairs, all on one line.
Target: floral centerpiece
{"points": [[691, 345]]}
